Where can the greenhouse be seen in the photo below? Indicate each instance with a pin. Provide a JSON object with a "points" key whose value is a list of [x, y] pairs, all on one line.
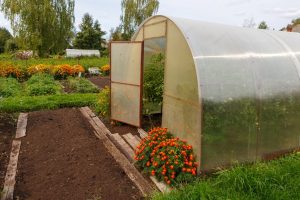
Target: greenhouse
{"points": [[233, 93]]}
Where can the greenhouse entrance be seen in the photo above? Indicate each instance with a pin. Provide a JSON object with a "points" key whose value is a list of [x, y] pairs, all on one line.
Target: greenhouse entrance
{"points": [[137, 78]]}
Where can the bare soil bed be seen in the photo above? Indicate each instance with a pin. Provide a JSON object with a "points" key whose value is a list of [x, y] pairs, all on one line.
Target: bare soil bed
{"points": [[61, 158], [100, 81], [7, 133]]}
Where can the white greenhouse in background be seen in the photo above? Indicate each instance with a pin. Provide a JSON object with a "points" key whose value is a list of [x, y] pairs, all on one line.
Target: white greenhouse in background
{"points": [[73, 53]]}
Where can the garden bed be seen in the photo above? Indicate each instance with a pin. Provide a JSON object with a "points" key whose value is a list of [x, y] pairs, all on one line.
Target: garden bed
{"points": [[61, 149], [100, 81], [7, 133]]}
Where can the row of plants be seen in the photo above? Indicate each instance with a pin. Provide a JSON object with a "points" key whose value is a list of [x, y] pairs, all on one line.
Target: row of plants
{"points": [[167, 158], [9, 87], [42, 84], [58, 71], [86, 62]]}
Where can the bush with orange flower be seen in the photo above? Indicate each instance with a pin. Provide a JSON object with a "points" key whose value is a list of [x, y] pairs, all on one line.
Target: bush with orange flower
{"points": [[41, 68], [105, 70], [8, 70], [62, 71], [167, 158]]}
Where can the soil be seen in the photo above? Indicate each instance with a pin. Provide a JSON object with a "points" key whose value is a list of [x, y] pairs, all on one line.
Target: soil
{"points": [[120, 128], [7, 133], [100, 81], [61, 158]]}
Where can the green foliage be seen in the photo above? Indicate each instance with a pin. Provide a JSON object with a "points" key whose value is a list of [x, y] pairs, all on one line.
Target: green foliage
{"points": [[82, 85], [296, 21], [4, 37], [278, 179], [42, 84], [44, 26], [11, 46], [86, 62], [154, 78], [102, 105], [134, 12], [90, 35], [263, 25], [9, 87], [27, 103]]}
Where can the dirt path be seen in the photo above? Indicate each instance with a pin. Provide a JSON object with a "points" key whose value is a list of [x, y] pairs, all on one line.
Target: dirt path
{"points": [[61, 159]]}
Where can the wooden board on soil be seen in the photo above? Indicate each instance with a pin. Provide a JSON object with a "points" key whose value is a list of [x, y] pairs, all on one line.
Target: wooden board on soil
{"points": [[7, 133], [61, 159]]}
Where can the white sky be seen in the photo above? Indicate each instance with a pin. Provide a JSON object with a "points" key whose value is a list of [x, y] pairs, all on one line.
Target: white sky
{"points": [[277, 13]]}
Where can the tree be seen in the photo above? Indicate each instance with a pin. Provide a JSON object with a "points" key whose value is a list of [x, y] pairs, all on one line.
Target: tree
{"points": [[90, 35], [115, 34], [44, 26], [134, 12], [263, 25], [296, 21], [4, 37]]}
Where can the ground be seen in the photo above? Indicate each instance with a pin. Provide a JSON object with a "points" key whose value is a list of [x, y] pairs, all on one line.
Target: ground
{"points": [[61, 158]]}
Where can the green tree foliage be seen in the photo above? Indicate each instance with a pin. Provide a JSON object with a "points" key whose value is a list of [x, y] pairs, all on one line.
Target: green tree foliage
{"points": [[263, 25], [11, 45], [44, 26], [296, 21], [4, 37], [134, 12], [90, 35], [115, 34]]}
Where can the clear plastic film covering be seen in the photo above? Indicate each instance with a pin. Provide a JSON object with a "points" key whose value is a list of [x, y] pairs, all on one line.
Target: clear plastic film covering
{"points": [[126, 68], [250, 91]]}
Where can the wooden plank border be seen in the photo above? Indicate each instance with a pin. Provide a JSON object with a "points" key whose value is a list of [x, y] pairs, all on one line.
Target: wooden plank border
{"points": [[10, 178], [21, 126], [144, 186]]}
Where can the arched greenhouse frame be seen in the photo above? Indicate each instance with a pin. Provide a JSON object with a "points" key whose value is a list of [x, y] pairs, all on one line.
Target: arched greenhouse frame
{"points": [[233, 93]]}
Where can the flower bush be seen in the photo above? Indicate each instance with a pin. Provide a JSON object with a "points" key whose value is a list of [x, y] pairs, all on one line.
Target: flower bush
{"points": [[41, 68], [105, 70], [8, 70], [102, 106], [167, 158], [62, 71]]}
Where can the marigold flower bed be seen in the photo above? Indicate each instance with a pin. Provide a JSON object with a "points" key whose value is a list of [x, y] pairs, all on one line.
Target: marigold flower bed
{"points": [[169, 159]]}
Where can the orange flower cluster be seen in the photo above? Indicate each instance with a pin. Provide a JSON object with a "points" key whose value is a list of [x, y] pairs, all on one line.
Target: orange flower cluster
{"points": [[105, 69], [7, 70], [41, 68], [62, 71], [168, 158]]}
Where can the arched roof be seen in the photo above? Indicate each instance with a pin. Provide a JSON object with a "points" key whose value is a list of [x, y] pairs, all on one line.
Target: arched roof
{"points": [[216, 45]]}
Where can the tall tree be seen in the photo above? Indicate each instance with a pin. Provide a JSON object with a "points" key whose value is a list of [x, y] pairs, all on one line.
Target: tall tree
{"points": [[296, 21], [44, 26], [4, 37], [263, 25], [90, 35], [134, 12]]}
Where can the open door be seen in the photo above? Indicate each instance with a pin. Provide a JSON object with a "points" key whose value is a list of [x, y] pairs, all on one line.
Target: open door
{"points": [[126, 61]]}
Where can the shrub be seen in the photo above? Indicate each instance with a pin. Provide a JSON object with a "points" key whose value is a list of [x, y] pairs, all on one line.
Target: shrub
{"points": [[41, 68], [8, 70], [62, 71], [42, 84], [82, 85], [9, 87], [102, 106], [169, 159], [105, 70], [154, 78]]}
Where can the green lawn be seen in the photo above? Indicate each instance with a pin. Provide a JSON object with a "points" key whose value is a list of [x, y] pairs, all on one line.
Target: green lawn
{"points": [[278, 179], [28, 103]]}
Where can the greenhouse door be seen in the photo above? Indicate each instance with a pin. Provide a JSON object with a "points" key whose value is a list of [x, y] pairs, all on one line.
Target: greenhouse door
{"points": [[126, 60]]}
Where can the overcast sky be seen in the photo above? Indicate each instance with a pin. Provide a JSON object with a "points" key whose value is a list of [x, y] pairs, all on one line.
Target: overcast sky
{"points": [[277, 13]]}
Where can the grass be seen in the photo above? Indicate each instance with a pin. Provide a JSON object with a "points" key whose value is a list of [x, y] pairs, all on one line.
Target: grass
{"points": [[86, 62], [42, 84], [278, 179], [82, 85], [28, 103], [9, 87]]}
